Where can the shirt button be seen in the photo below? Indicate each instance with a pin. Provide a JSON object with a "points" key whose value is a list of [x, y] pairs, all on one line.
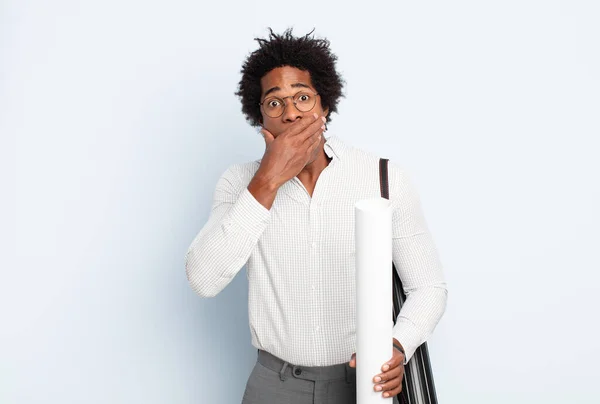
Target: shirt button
{"points": [[298, 372]]}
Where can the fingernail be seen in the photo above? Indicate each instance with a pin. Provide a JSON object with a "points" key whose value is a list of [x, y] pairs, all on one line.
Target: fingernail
{"points": [[377, 379], [322, 126], [378, 388], [386, 394], [324, 119], [385, 367], [315, 115]]}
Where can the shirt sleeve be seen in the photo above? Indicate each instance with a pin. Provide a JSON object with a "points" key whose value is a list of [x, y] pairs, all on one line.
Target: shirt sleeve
{"points": [[417, 262], [224, 244]]}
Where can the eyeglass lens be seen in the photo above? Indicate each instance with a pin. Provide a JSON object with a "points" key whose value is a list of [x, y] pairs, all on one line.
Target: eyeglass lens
{"points": [[275, 106]]}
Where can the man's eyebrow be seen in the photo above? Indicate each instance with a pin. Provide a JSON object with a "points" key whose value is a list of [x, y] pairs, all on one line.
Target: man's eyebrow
{"points": [[295, 85], [270, 90], [300, 85]]}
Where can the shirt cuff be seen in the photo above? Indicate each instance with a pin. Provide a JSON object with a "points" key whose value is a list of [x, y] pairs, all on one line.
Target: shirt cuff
{"points": [[409, 336], [247, 213]]}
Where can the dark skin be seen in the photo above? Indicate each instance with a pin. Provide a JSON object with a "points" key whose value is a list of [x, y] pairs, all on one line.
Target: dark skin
{"points": [[294, 141], [294, 148], [389, 382]]}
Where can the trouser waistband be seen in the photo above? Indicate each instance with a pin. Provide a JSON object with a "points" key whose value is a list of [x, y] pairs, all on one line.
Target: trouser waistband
{"points": [[315, 373]]}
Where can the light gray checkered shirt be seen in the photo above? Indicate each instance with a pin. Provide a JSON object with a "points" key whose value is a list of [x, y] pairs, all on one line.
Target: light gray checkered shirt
{"points": [[300, 257]]}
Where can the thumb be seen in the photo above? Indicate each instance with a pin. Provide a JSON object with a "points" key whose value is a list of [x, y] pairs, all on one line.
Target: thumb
{"points": [[268, 136], [353, 361]]}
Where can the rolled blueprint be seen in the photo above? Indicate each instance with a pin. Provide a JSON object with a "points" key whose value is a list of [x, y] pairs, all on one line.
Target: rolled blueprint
{"points": [[373, 238]]}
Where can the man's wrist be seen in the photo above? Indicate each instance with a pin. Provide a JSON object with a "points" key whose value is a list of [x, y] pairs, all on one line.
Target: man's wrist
{"points": [[263, 190], [398, 346], [268, 182]]}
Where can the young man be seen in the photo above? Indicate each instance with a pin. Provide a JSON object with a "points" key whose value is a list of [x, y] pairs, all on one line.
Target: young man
{"points": [[290, 218]]}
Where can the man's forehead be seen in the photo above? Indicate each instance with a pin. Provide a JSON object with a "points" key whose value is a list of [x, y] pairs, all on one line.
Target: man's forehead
{"points": [[285, 77], [275, 89]]}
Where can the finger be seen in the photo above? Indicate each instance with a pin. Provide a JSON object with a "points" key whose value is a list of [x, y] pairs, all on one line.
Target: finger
{"points": [[300, 125], [314, 141], [389, 386], [393, 392], [315, 135], [392, 374], [313, 150], [353, 361], [307, 127], [268, 136], [397, 359]]}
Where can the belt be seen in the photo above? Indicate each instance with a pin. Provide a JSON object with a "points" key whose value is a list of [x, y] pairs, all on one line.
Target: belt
{"points": [[315, 373]]}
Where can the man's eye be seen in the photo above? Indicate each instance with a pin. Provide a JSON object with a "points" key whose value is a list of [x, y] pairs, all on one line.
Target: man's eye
{"points": [[273, 104], [304, 97]]}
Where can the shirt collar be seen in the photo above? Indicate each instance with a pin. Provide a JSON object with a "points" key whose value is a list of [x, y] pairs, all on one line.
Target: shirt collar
{"points": [[334, 147]]}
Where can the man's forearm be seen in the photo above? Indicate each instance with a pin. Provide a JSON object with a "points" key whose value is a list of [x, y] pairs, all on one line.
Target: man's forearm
{"points": [[225, 242], [419, 316]]}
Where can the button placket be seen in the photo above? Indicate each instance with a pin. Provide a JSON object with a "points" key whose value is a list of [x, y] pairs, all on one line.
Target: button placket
{"points": [[315, 227], [315, 270]]}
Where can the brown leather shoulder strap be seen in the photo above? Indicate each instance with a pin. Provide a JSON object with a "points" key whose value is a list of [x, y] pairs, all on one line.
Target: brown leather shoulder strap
{"points": [[383, 178]]}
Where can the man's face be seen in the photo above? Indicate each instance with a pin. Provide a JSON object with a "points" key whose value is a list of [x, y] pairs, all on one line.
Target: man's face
{"points": [[283, 82]]}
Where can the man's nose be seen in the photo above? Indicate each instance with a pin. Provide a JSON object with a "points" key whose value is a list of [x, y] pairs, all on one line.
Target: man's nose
{"points": [[291, 113]]}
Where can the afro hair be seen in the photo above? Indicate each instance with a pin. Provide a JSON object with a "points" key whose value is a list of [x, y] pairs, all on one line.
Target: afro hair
{"points": [[305, 53]]}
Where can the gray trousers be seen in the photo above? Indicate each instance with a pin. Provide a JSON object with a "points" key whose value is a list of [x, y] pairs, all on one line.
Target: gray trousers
{"points": [[274, 381]]}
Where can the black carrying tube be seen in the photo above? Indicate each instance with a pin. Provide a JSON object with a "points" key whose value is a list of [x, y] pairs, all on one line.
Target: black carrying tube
{"points": [[417, 385]]}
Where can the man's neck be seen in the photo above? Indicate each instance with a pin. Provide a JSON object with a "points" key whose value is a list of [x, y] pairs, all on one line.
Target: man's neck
{"points": [[310, 174]]}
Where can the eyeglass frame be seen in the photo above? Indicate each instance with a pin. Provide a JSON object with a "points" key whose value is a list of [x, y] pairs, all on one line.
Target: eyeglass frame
{"points": [[285, 105]]}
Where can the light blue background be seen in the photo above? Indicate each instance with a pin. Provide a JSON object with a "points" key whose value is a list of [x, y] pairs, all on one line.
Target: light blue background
{"points": [[117, 117]]}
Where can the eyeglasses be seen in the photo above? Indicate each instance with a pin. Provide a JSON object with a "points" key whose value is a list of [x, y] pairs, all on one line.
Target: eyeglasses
{"points": [[304, 101]]}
